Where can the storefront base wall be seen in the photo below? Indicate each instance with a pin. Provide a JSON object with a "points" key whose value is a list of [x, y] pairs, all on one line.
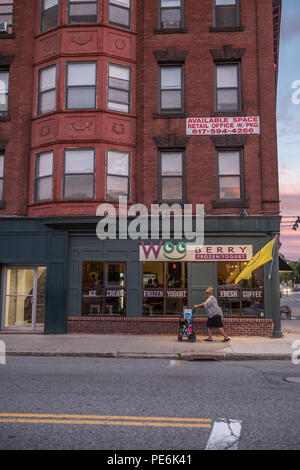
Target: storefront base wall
{"points": [[165, 326]]}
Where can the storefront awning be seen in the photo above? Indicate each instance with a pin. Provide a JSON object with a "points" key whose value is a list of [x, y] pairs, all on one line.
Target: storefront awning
{"points": [[284, 267]]}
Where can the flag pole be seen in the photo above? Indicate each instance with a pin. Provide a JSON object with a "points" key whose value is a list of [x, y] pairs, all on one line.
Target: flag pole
{"points": [[271, 269]]}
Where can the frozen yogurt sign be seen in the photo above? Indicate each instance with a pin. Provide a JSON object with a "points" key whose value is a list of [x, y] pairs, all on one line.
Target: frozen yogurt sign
{"points": [[169, 251], [223, 125]]}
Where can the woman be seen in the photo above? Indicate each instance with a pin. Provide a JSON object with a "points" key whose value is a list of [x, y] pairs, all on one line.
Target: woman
{"points": [[214, 314]]}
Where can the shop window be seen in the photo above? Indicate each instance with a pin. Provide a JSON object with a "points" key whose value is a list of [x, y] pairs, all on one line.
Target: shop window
{"points": [[4, 82], [49, 14], [171, 14], [117, 178], [164, 288], [6, 16], [81, 85], [227, 13], [245, 299], [229, 175], [171, 88], [119, 88], [47, 90], [1, 174], [83, 11], [103, 288], [43, 176], [228, 89], [119, 12], [171, 176], [79, 174]]}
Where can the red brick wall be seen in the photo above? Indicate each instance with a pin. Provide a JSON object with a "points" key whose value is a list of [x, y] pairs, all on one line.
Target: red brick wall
{"points": [[165, 326], [258, 93], [17, 129]]}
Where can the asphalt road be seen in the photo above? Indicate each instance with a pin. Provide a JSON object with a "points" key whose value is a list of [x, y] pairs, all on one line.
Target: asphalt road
{"points": [[293, 301], [123, 404]]}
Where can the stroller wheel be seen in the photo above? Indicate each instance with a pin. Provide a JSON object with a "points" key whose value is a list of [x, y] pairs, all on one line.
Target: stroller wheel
{"points": [[179, 337], [192, 338]]}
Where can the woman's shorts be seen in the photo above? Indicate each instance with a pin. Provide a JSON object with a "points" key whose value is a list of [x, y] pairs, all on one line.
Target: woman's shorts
{"points": [[215, 322]]}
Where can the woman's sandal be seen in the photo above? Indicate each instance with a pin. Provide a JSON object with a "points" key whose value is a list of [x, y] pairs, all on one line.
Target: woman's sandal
{"points": [[208, 340]]}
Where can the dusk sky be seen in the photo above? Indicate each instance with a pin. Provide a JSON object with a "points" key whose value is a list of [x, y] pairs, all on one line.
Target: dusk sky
{"points": [[288, 118]]}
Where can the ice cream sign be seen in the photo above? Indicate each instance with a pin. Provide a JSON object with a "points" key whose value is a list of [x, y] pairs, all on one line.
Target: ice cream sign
{"points": [[170, 251]]}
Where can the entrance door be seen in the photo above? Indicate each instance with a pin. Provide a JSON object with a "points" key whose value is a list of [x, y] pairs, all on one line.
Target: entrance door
{"points": [[24, 297]]}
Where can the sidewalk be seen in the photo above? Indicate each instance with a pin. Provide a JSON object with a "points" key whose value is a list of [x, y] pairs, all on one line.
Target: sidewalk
{"points": [[159, 347]]}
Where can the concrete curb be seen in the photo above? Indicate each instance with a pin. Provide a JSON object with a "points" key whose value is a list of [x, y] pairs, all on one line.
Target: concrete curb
{"points": [[166, 356]]}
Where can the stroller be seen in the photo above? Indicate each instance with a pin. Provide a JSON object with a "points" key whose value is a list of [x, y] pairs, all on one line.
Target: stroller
{"points": [[186, 327]]}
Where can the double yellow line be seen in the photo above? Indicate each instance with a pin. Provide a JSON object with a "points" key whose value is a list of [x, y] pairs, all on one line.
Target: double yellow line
{"points": [[151, 421]]}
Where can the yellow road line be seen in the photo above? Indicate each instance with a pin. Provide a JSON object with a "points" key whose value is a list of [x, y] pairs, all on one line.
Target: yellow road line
{"points": [[105, 417], [102, 422]]}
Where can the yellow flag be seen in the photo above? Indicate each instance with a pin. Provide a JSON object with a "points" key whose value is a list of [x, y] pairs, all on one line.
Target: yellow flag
{"points": [[262, 256]]}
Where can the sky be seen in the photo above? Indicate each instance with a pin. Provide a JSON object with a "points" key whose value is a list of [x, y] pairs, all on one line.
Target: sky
{"points": [[288, 127]]}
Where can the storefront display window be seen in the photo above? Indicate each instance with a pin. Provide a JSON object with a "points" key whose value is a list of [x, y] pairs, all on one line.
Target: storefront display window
{"points": [[103, 288], [164, 288], [245, 299]]}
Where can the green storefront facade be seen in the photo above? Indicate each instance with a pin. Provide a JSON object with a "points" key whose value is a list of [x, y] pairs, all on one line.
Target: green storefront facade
{"points": [[48, 266]]}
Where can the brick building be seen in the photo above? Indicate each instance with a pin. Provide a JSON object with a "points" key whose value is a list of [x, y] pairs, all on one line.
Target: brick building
{"points": [[156, 101]]}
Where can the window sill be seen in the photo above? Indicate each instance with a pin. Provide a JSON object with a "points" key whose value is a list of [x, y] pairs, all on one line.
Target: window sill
{"points": [[169, 115], [5, 35], [163, 201], [4, 116], [2, 205], [169, 30], [226, 29], [230, 204]]}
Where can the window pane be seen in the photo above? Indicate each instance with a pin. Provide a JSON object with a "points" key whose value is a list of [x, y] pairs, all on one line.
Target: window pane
{"points": [[118, 107], [118, 95], [117, 163], [116, 186], [229, 163], [83, 13], [1, 189], [171, 99], [122, 73], [124, 3], [171, 15], [43, 189], [227, 76], [227, 99], [116, 83], [4, 78], [81, 74], [230, 187], [226, 16], [80, 97], [171, 188], [119, 15], [116, 275], [44, 164], [79, 161], [49, 4], [79, 186], [170, 3], [1, 165], [170, 77], [3, 102], [225, 2], [47, 102], [47, 78], [171, 164]]}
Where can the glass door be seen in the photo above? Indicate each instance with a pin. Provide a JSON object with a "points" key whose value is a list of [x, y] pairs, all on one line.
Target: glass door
{"points": [[24, 297]]}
